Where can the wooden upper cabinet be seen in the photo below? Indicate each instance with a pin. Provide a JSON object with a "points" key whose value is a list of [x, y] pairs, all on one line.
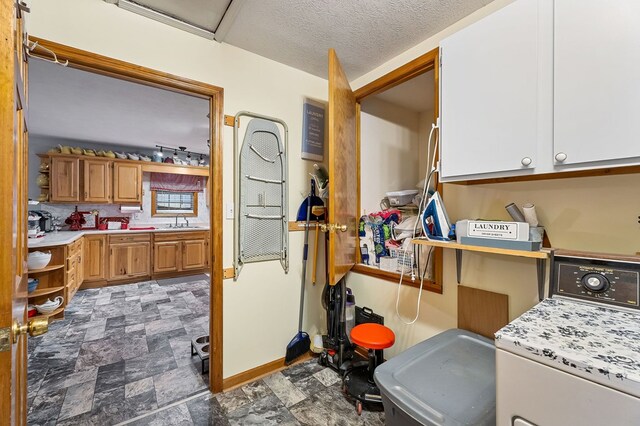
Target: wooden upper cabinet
{"points": [[97, 181], [193, 254], [127, 183], [63, 179], [94, 257]]}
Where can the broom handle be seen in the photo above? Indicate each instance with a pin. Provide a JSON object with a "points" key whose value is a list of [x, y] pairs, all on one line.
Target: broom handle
{"points": [[315, 254], [304, 261]]}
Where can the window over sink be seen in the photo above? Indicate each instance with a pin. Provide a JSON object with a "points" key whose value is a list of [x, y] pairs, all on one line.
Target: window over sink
{"points": [[174, 203]]}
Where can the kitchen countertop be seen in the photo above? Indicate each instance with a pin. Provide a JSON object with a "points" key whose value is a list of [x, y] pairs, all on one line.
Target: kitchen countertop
{"points": [[599, 344], [62, 238]]}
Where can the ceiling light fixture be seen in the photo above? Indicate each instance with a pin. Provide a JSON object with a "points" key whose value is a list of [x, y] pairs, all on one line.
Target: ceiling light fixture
{"points": [[161, 17]]}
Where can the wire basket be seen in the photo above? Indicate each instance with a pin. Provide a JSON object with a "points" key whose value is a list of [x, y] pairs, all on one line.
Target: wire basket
{"points": [[404, 258]]}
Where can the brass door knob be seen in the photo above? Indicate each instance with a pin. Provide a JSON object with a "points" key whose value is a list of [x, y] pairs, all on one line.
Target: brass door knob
{"points": [[333, 227], [35, 327]]}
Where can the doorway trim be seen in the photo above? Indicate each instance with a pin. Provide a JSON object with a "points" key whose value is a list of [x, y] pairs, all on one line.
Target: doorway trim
{"points": [[92, 62]]}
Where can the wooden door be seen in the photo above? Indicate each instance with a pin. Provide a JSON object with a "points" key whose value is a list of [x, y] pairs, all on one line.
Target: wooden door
{"points": [[94, 256], [596, 101], [165, 256], [193, 254], [63, 179], [97, 181], [343, 176], [139, 259], [118, 261], [127, 183], [13, 239]]}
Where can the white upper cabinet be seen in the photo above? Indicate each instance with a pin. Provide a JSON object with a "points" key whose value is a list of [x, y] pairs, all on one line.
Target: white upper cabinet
{"points": [[596, 83], [496, 93]]}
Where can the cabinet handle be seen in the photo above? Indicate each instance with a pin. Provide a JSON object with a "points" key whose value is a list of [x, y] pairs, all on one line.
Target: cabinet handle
{"points": [[526, 161], [560, 157]]}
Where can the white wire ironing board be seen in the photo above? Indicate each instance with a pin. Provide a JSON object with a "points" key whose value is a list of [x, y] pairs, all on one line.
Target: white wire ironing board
{"points": [[260, 192]]}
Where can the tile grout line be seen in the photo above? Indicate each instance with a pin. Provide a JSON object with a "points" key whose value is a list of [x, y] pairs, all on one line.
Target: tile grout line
{"points": [[166, 407]]}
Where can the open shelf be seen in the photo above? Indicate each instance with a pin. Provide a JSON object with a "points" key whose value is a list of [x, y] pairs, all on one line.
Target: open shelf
{"points": [[46, 269], [44, 291], [540, 256], [56, 312]]}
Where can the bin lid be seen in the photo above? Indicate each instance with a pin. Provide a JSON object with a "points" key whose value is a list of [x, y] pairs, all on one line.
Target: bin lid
{"points": [[449, 379]]}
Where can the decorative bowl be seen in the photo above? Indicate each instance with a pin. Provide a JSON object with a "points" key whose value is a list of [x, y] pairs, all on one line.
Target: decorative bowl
{"points": [[109, 154], [77, 150], [32, 284], [64, 149], [120, 155], [89, 152], [50, 305], [144, 158], [38, 260], [133, 156]]}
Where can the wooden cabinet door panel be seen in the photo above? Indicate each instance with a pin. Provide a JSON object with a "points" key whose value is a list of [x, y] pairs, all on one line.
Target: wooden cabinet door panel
{"points": [[97, 181], [343, 174], [139, 260], [94, 258], [63, 179], [165, 256], [118, 261], [193, 254], [127, 183]]}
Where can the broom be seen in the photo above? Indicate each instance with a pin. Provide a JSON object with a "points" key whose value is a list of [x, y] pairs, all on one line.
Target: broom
{"points": [[301, 343]]}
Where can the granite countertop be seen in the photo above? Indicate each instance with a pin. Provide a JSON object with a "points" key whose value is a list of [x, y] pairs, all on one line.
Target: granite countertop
{"points": [[597, 343], [61, 238]]}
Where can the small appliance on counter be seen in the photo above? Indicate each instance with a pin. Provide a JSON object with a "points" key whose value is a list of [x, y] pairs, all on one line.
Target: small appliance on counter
{"points": [[34, 229]]}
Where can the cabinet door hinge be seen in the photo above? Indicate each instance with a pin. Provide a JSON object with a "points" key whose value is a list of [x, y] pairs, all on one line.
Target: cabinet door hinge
{"points": [[5, 339]]}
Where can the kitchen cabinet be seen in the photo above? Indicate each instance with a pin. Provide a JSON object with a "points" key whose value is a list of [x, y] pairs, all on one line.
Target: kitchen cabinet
{"points": [[127, 183], [165, 256], [95, 256], [596, 91], [129, 256], [193, 254], [74, 268], [64, 179], [97, 181], [180, 251], [495, 93]]}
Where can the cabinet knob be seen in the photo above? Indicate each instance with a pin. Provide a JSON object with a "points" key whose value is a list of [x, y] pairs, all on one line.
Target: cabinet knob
{"points": [[526, 161], [560, 157]]}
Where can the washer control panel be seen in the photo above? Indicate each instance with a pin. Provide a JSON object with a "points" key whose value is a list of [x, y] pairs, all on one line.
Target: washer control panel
{"points": [[600, 280]]}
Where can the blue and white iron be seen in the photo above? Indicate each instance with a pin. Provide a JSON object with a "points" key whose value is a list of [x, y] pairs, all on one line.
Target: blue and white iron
{"points": [[435, 221]]}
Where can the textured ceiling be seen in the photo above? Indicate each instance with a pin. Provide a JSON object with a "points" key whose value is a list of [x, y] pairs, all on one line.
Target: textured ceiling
{"points": [[415, 94], [365, 34], [73, 104], [205, 14]]}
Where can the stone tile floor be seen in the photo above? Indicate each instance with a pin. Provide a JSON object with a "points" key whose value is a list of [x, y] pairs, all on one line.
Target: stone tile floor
{"points": [[122, 354], [304, 394]]}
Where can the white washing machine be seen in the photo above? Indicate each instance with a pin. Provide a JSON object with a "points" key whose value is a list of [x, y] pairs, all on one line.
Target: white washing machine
{"points": [[574, 359]]}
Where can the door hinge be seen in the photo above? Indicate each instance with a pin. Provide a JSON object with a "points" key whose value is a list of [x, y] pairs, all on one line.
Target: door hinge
{"points": [[440, 58], [5, 339]]}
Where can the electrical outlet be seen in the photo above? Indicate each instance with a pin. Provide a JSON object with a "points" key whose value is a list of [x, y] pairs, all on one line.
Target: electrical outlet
{"points": [[229, 211]]}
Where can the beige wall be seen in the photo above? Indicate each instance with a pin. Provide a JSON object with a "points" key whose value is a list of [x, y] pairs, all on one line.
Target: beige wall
{"points": [[388, 152], [594, 214], [261, 309]]}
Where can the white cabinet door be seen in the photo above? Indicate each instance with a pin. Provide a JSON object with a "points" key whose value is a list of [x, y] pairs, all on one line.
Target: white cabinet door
{"points": [[490, 85], [596, 81]]}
